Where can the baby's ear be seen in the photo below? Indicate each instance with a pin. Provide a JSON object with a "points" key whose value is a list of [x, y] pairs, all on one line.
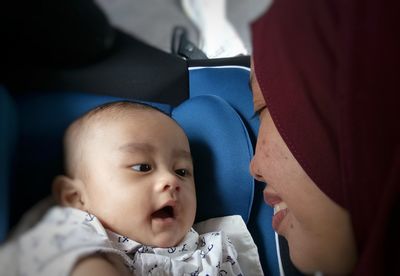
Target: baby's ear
{"points": [[68, 191]]}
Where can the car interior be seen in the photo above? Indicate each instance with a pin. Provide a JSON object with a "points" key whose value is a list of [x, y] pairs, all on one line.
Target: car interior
{"points": [[50, 77]]}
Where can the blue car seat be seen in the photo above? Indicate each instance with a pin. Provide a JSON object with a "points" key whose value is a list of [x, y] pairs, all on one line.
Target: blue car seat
{"points": [[217, 117]]}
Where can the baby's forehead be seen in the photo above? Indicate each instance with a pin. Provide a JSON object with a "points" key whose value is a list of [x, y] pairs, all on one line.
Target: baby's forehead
{"points": [[101, 116], [117, 116], [133, 112], [119, 109]]}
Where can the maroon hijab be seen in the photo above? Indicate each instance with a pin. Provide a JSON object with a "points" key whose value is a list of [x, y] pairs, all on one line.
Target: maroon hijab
{"points": [[330, 74]]}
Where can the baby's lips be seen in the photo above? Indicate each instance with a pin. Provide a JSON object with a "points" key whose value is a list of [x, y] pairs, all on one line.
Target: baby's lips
{"points": [[166, 210]]}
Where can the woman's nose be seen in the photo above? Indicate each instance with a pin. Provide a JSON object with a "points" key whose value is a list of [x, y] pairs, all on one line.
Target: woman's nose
{"points": [[254, 170]]}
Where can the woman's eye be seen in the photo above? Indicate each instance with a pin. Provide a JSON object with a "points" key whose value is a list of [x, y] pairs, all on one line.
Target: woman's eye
{"points": [[182, 172], [257, 113], [141, 167]]}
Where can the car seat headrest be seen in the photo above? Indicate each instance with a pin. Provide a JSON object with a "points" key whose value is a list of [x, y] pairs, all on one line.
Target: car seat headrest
{"points": [[219, 142], [221, 150]]}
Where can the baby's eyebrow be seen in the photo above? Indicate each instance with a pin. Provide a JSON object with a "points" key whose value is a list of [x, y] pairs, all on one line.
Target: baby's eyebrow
{"points": [[144, 147], [134, 147], [183, 154]]}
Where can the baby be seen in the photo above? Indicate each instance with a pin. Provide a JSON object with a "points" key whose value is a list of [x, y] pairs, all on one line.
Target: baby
{"points": [[127, 202]]}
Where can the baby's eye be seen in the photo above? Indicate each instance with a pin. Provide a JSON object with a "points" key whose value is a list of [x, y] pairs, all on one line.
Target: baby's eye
{"points": [[182, 172], [141, 167]]}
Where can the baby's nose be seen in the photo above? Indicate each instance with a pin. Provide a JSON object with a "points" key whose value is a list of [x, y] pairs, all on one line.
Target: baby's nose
{"points": [[169, 182]]}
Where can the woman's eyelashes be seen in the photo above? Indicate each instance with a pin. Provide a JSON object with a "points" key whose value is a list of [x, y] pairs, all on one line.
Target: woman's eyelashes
{"points": [[257, 112]]}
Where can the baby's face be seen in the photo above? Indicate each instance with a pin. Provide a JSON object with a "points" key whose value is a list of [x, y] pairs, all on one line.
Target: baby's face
{"points": [[139, 177]]}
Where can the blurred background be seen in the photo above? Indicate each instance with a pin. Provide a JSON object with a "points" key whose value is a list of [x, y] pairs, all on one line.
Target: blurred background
{"points": [[114, 47], [153, 21]]}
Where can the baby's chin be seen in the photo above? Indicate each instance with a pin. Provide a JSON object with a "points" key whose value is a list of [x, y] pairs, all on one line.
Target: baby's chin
{"points": [[166, 241]]}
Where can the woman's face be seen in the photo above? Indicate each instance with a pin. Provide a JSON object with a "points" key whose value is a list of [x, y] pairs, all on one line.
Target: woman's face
{"points": [[318, 231]]}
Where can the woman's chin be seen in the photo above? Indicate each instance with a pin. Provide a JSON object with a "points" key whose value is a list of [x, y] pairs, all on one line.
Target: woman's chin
{"points": [[310, 263]]}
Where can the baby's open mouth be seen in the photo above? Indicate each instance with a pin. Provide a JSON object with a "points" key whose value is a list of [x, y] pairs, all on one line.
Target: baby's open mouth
{"points": [[164, 213]]}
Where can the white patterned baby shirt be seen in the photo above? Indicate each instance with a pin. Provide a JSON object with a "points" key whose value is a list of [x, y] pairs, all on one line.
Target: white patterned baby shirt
{"points": [[65, 235]]}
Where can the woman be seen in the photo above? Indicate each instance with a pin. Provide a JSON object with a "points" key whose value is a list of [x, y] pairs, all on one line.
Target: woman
{"points": [[324, 81]]}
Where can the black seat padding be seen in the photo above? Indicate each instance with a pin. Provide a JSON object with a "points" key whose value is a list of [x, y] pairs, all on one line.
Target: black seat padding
{"points": [[131, 69], [69, 45]]}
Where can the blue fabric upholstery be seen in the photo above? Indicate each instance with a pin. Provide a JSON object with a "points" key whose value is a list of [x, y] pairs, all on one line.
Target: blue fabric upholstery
{"points": [[221, 150], [231, 83]]}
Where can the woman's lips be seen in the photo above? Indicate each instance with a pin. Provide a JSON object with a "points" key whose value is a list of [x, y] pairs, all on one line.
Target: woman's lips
{"points": [[280, 208], [271, 199], [280, 211]]}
